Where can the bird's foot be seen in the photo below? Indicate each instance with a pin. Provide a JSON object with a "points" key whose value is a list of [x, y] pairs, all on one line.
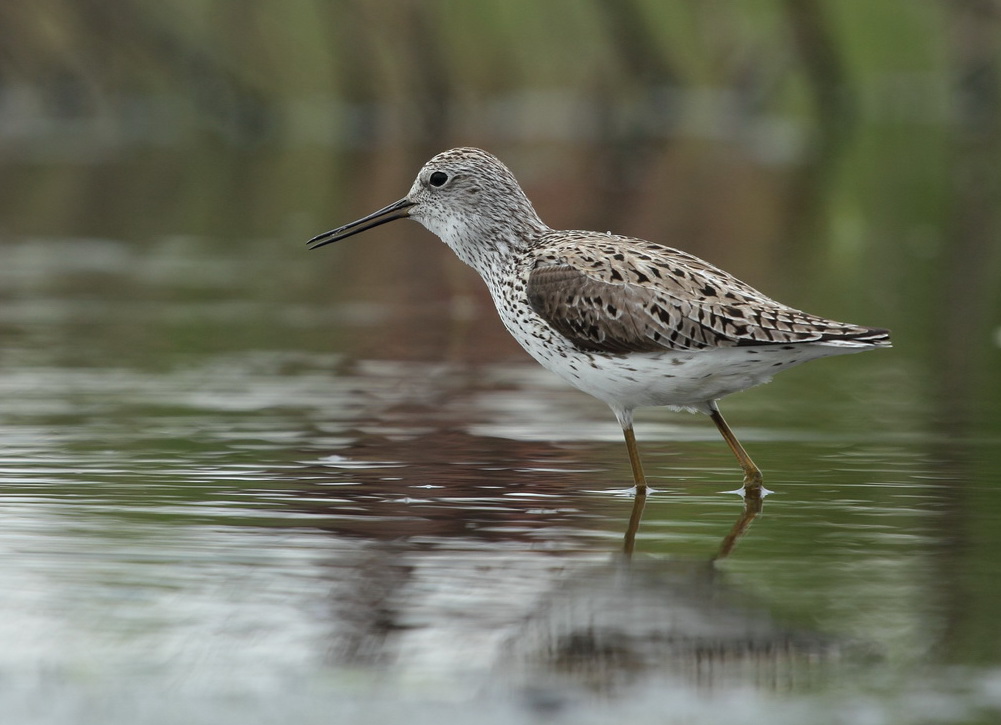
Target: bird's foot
{"points": [[751, 492], [752, 482], [752, 486]]}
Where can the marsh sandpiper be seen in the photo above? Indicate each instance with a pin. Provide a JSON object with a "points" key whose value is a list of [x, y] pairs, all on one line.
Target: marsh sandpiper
{"points": [[631, 322]]}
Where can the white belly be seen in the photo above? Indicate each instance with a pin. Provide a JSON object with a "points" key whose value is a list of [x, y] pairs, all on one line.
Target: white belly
{"points": [[682, 380]]}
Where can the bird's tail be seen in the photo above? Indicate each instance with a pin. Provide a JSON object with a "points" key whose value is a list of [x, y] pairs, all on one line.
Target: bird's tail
{"points": [[862, 337]]}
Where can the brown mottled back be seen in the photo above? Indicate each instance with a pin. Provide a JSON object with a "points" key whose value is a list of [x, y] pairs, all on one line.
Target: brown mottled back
{"points": [[620, 295]]}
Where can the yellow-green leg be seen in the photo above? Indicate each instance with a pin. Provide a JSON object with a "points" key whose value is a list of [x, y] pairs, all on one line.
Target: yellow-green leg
{"points": [[639, 480], [752, 474], [625, 418]]}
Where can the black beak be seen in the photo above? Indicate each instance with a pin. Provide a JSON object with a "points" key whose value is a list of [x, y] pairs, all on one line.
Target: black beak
{"points": [[396, 210]]}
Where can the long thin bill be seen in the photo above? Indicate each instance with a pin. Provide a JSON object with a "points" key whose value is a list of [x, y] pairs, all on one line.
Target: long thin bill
{"points": [[396, 210]]}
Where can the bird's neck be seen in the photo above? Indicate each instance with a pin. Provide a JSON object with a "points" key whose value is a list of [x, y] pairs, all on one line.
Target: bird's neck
{"points": [[490, 246]]}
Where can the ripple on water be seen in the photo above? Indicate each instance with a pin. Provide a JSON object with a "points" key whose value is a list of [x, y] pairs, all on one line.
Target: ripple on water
{"points": [[302, 532]]}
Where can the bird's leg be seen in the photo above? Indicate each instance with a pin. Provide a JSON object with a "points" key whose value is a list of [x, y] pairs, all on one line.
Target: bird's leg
{"points": [[752, 474], [626, 421], [634, 460]]}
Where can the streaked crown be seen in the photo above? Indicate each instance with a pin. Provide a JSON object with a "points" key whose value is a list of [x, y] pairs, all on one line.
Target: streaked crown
{"points": [[472, 201]]}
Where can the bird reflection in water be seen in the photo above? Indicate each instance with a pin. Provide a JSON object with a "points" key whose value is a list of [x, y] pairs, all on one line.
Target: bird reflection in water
{"points": [[656, 621], [511, 596], [753, 500]]}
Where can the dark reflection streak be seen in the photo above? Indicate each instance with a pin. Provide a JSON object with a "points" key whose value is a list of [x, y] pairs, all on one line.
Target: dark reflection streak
{"points": [[752, 507], [835, 114], [967, 294], [628, 151], [634, 521], [753, 503]]}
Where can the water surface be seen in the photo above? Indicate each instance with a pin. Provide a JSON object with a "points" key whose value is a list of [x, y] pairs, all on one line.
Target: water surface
{"points": [[231, 501]]}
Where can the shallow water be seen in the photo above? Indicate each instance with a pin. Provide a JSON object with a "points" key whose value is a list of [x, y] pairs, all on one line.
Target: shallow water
{"points": [[214, 510]]}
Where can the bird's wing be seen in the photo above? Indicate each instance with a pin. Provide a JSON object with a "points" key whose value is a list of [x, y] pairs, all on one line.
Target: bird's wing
{"points": [[619, 295]]}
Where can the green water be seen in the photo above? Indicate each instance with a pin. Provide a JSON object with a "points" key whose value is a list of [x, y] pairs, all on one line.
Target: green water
{"points": [[226, 497]]}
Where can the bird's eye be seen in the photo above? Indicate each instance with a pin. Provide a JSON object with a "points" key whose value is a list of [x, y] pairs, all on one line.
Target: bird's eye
{"points": [[438, 178]]}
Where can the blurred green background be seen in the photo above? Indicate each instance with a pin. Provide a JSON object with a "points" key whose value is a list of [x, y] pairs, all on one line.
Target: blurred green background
{"points": [[855, 140], [845, 156]]}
